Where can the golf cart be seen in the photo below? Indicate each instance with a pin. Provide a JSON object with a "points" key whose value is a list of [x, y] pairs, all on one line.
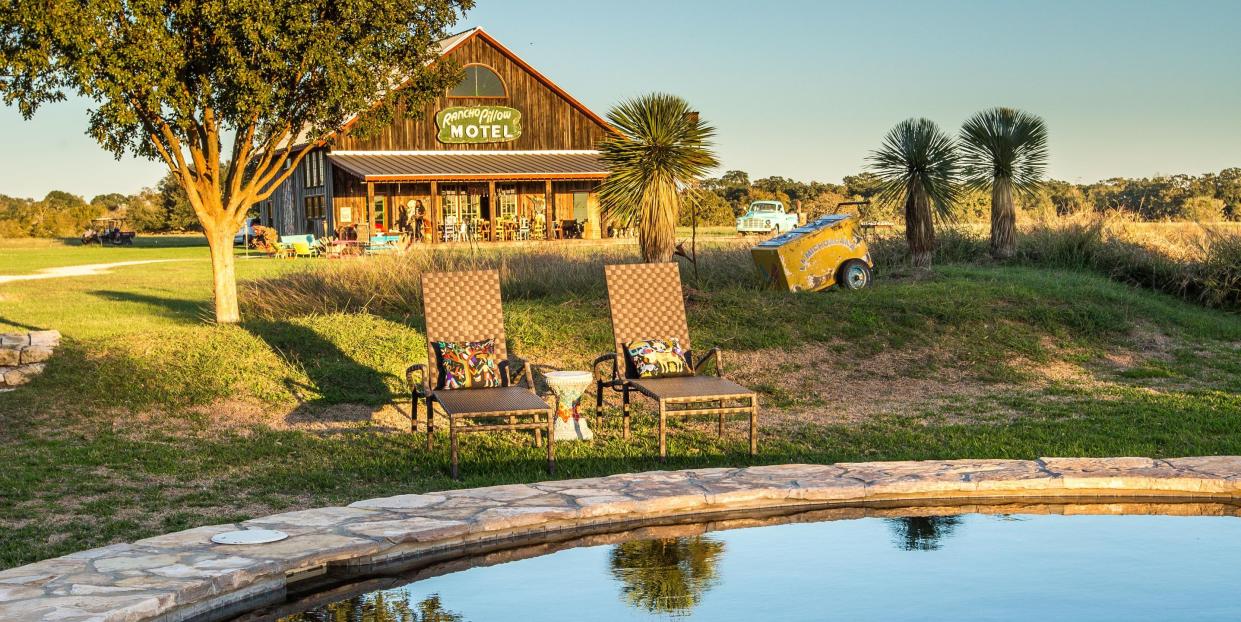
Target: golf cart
{"points": [[108, 231]]}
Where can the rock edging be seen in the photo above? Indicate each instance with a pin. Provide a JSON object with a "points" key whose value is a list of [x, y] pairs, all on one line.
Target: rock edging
{"points": [[181, 575], [23, 355]]}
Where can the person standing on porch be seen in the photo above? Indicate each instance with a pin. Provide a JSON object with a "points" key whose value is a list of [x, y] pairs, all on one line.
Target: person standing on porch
{"points": [[402, 221], [420, 220]]}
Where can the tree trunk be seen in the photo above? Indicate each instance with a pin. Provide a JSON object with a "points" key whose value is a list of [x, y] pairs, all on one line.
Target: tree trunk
{"points": [[919, 230], [1003, 220], [657, 231], [223, 264]]}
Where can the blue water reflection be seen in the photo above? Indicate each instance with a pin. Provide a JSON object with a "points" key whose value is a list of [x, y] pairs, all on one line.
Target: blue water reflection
{"points": [[969, 567]]}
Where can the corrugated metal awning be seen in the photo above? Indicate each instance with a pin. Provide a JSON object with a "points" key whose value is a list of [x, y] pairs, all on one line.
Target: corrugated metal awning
{"points": [[470, 165]]}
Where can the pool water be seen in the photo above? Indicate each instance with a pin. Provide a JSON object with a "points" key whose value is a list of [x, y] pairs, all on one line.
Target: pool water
{"points": [[963, 567]]}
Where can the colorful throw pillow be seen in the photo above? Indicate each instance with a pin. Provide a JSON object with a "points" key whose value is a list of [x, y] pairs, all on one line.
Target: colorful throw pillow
{"points": [[467, 364], [657, 358]]}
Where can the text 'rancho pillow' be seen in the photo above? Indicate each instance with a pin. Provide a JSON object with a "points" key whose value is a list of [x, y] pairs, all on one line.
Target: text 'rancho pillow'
{"points": [[657, 358], [467, 364]]}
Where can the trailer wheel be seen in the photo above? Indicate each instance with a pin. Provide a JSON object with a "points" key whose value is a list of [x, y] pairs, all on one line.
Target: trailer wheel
{"points": [[853, 275]]}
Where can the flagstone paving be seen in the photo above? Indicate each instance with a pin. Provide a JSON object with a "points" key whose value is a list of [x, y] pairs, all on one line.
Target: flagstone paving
{"points": [[173, 576]]}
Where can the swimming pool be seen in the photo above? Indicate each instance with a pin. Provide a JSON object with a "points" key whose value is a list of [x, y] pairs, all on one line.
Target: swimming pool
{"points": [[929, 563]]}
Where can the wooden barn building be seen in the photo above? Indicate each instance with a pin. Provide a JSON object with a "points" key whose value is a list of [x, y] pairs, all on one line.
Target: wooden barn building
{"points": [[504, 155]]}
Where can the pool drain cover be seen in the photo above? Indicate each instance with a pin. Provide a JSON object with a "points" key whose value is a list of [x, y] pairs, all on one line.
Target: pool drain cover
{"points": [[249, 536]]}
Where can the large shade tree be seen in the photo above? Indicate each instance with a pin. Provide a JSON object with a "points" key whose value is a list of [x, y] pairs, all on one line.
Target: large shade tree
{"points": [[1004, 150], [917, 166], [660, 147], [195, 83]]}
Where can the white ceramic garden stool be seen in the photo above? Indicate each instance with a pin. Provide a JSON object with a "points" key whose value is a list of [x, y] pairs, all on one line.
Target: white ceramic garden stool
{"points": [[568, 386]]}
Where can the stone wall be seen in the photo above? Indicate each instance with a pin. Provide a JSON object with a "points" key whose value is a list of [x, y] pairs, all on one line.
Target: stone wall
{"points": [[22, 355]]}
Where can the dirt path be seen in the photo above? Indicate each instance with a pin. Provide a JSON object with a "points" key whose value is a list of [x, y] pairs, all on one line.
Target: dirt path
{"points": [[91, 269]]}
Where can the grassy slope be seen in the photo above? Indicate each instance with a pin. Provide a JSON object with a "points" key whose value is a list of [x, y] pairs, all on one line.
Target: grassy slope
{"points": [[112, 443]]}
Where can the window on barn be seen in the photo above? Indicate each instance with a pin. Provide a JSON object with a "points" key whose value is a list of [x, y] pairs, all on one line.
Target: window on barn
{"points": [[480, 81], [315, 214], [312, 169]]}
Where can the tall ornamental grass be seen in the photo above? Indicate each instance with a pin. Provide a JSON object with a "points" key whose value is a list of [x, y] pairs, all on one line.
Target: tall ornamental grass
{"points": [[390, 285], [1199, 263]]}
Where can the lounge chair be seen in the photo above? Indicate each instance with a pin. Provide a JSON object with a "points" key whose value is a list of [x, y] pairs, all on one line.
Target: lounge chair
{"points": [[305, 249], [465, 307], [646, 303]]}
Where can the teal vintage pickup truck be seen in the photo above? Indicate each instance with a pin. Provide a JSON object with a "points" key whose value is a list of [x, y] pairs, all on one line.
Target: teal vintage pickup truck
{"points": [[766, 217]]}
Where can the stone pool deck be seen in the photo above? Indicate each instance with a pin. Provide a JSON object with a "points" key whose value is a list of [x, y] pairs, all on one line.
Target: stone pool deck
{"points": [[183, 575]]}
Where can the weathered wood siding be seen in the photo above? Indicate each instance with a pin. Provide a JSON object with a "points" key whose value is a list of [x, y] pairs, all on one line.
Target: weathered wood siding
{"points": [[549, 121], [347, 191]]}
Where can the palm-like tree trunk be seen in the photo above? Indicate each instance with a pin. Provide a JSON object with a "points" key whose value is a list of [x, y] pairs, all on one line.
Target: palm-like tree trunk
{"points": [[658, 228], [919, 230], [1003, 219]]}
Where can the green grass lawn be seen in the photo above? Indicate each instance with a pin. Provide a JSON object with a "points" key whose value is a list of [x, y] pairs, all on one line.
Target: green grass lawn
{"points": [[27, 256], [149, 419]]}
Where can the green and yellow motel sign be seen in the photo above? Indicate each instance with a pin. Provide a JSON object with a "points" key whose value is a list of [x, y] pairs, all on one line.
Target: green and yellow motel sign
{"points": [[478, 124]]}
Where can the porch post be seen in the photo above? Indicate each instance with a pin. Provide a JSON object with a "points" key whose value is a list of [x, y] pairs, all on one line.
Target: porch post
{"points": [[491, 208], [549, 210], [434, 213], [370, 205]]}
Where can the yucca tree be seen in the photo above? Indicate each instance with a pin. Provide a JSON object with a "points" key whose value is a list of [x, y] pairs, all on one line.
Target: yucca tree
{"points": [[918, 166], [668, 575], [661, 147], [1004, 150], [922, 533]]}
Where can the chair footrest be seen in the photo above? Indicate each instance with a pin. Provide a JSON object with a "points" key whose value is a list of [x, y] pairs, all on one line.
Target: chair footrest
{"points": [[501, 426], [723, 410]]}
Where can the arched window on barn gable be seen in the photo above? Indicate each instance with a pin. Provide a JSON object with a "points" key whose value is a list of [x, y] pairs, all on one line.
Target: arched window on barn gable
{"points": [[479, 81]]}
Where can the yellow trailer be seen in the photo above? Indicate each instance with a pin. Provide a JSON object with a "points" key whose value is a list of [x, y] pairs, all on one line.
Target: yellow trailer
{"points": [[817, 255]]}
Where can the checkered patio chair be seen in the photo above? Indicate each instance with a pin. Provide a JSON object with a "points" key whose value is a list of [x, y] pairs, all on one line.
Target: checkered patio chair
{"points": [[646, 303], [465, 306]]}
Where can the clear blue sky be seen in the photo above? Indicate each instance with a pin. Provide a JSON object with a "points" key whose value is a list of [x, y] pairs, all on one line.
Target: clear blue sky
{"points": [[805, 89]]}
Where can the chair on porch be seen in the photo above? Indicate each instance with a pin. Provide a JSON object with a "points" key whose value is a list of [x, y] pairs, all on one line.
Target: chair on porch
{"points": [[650, 331], [506, 229], [449, 229], [468, 371], [480, 230]]}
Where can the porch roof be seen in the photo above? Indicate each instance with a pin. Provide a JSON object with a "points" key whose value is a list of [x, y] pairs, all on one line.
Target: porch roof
{"points": [[470, 165]]}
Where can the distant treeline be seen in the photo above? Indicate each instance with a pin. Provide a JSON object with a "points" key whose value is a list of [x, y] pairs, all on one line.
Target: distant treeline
{"points": [[1203, 198], [163, 208]]}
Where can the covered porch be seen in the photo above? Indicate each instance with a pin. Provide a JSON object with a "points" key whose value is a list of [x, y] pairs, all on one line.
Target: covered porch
{"points": [[439, 197]]}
